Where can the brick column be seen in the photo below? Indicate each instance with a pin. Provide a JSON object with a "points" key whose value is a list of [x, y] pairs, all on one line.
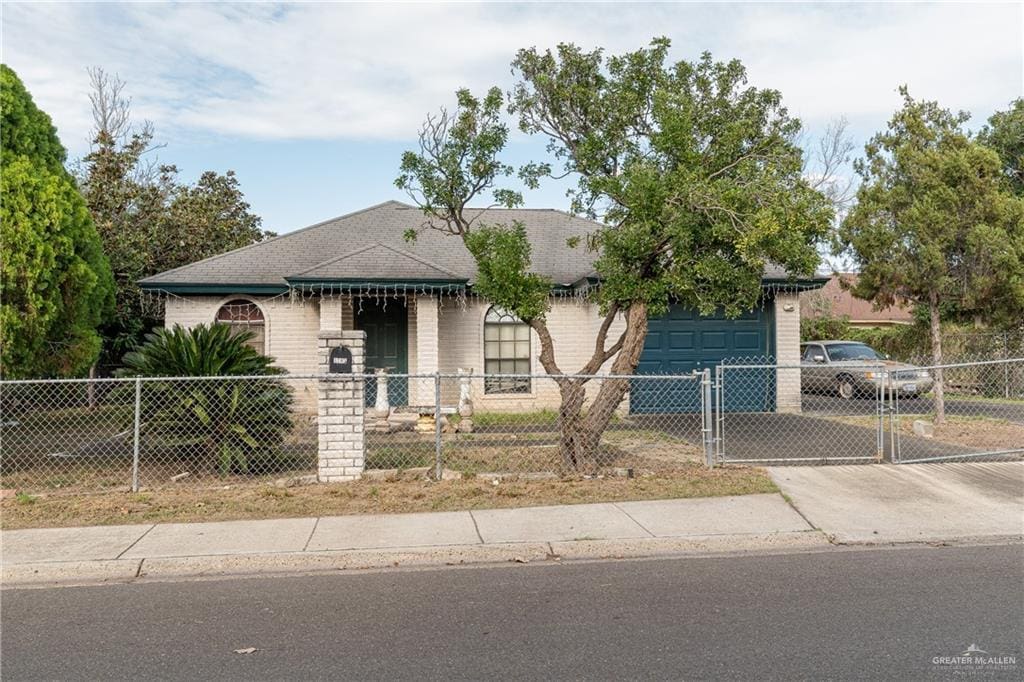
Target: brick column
{"points": [[787, 351], [340, 409], [426, 347]]}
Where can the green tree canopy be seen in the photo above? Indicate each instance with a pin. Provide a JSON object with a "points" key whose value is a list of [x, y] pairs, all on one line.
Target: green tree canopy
{"points": [[935, 223], [1005, 134], [55, 282], [150, 221], [695, 176]]}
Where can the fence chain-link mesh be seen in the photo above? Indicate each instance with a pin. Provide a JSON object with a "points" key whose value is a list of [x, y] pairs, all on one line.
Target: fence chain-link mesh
{"points": [[512, 427], [980, 415], [776, 414], [78, 436], [859, 413], [115, 434]]}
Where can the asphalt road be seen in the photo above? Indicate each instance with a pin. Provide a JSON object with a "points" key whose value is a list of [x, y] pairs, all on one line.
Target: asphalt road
{"points": [[871, 613]]}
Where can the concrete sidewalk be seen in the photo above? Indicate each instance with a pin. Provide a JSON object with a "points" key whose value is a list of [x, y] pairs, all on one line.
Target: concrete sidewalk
{"points": [[829, 504], [119, 553]]}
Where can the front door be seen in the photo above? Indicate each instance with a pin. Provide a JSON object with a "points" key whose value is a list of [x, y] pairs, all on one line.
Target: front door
{"points": [[387, 344]]}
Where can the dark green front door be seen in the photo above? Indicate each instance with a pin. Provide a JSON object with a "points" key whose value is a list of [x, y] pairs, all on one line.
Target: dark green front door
{"points": [[387, 345]]}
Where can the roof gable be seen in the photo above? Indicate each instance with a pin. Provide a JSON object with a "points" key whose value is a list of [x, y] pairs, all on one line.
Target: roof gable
{"points": [[377, 262]]}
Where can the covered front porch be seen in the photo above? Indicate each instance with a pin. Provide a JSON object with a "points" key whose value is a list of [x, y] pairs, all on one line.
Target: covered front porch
{"points": [[402, 338]]}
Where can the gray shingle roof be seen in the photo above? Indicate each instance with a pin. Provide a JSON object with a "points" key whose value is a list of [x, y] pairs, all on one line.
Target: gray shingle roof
{"points": [[325, 245], [369, 245], [378, 262]]}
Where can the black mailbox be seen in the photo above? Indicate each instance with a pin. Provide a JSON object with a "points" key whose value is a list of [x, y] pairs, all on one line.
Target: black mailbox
{"points": [[340, 361]]}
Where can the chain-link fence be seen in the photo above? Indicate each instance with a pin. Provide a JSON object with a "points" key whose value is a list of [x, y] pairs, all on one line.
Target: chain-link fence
{"points": [[510, 425], [849, 412], [773, 414], [79, 436], [76, 436], [980, 414], [111, 434]]}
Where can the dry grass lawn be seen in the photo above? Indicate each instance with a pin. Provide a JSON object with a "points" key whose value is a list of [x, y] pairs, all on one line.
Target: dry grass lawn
{"points": [[369, 497]]}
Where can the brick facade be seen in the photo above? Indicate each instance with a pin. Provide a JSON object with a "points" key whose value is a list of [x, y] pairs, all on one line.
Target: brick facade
{"points": [[445, 334]]}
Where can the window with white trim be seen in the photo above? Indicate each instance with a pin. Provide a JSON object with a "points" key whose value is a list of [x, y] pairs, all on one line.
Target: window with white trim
{"points": [[506, 351], [242, 315]]}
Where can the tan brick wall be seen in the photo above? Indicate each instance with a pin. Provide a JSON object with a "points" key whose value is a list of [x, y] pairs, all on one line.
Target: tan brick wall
{"points": [[291, 331], [573, 326]]}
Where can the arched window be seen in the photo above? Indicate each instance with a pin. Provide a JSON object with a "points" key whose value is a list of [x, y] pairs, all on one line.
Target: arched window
{"points": [[506, 351], [242, 315]]}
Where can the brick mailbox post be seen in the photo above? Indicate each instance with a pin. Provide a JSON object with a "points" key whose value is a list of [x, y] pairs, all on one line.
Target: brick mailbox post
{"points": [[340, 405]]}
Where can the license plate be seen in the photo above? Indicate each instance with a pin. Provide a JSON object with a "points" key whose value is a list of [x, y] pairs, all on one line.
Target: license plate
{"points": [[909, 388]]}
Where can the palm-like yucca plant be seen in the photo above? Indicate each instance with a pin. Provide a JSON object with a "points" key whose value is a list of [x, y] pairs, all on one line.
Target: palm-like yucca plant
{"points": [[237, 424]]}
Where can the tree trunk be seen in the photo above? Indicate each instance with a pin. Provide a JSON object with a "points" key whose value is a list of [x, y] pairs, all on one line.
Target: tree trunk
{"points": [[572, 445], [936, 334], [581, 433]]}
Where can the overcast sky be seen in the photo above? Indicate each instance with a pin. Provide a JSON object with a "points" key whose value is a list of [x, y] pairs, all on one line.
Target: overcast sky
{"points": [[312, 104]]}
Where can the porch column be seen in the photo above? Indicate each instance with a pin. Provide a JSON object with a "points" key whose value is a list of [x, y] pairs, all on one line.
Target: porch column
{"points": [[426, 347], [330, 314]]}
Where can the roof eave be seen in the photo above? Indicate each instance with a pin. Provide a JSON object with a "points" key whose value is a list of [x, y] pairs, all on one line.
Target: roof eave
{"points": [[213, 288], [363, 283]]}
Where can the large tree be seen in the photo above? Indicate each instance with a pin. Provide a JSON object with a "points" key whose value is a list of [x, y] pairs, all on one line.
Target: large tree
{"points": [[1005, 134], [935, 223], [694, 175], [148, 219], [55, 282]]}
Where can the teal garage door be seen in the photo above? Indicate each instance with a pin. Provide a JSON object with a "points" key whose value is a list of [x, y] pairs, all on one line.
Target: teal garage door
{"points": [[682, 341]]}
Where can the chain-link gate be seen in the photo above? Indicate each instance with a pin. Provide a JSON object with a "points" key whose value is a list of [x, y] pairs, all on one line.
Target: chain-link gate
{"points": [[980, 416], [776, 414]]}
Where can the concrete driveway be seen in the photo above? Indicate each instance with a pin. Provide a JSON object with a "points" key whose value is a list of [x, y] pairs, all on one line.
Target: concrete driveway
{"points": [[909, 502]]}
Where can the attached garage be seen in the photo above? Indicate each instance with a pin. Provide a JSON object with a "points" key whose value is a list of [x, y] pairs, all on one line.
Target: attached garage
{"points": [[682, 342]]}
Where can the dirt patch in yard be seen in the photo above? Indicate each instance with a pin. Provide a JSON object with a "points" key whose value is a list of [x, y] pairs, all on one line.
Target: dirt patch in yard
{"points": [[370, 497], [978, 433]]}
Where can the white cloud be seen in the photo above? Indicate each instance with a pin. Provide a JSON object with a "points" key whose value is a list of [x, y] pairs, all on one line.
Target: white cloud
{"points": [[346, 71]]}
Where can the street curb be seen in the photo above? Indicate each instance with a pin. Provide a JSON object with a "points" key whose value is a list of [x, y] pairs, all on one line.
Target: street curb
{"points": [[697, 544], [70, 572], [51, 574]]}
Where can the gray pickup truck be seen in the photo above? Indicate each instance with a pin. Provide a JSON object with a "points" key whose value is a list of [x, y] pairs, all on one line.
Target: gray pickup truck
{"points": [[850, 368]]}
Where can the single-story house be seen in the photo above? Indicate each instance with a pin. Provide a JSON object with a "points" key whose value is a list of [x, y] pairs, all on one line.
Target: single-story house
{"points": [[836, 299], [415, 302]]}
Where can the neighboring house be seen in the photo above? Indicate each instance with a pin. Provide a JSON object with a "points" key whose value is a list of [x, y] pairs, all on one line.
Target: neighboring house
{"points": [[415, 301], [835, 300]]}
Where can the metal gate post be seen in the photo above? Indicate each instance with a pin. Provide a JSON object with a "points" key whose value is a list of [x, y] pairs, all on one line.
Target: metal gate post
{"points": [[719, 423], [880, 392], [706, 422], [138, 422], [894, 426], [437, 426]]}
